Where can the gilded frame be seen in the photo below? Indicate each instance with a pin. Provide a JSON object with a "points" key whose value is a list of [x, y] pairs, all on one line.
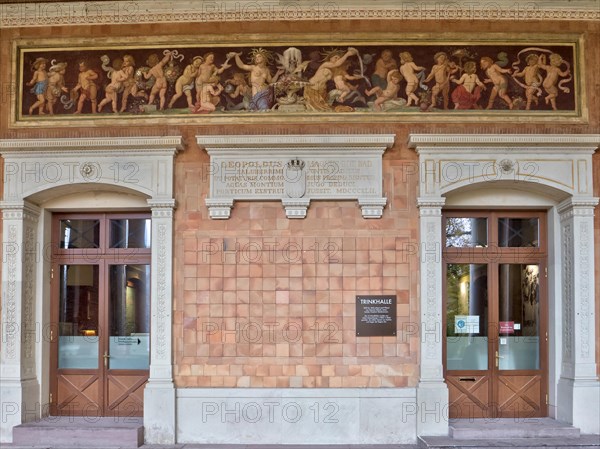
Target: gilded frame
{"points": [[422, 45]]}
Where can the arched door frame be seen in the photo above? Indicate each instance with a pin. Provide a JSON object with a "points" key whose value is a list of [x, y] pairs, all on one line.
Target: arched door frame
{"points": [[555, 166], [38, 170]]}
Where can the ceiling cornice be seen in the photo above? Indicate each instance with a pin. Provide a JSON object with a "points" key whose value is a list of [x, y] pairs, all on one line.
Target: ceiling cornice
{"points": [[19, 14]]}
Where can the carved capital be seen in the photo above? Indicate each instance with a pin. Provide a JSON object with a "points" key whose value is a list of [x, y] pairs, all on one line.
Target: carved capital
{"points": [[162, 208], [20, 210], [577, 207], [430, 206]]}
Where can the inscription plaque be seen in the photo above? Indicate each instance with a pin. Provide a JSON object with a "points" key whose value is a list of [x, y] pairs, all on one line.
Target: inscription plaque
{"points": [[296, 170], [376, 316]]}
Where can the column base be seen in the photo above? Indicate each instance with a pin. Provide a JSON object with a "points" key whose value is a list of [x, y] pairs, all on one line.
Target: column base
{"points": [[19, 403], [159, 413], [578, 403], [432, 409]]}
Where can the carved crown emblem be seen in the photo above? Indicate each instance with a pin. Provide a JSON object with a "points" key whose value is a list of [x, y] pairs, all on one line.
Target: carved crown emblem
{"points": [[295, 164]]}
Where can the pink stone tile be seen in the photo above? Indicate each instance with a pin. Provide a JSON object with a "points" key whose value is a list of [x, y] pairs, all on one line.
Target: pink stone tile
{"points": [[336, 269], [349, 270], [282, 297]]}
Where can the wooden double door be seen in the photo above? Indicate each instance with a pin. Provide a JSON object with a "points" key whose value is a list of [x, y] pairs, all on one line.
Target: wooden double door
{"points": [[100, 305], [495, 344]]}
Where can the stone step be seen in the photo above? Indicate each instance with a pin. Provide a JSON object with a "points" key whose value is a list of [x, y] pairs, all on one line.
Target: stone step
{"points": [[483, 429], [582, 442], [81, 432]]}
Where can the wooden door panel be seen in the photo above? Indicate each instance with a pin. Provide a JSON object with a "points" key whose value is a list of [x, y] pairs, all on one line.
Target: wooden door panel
{"points": [[98, 392], [79, 394], [468, 396], [520, 396], [125, 394]]}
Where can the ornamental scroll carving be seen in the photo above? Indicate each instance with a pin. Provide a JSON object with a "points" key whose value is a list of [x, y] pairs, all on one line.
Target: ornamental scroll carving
{"points": [[162, 315], [567, 292], [584, 289], [28, 316], [432, 295], [10, 301]]}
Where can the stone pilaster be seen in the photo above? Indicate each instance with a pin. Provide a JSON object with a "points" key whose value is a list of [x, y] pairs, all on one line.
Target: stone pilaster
{"points": [[432, 392], [159, 394], [19, 388], [578, 387]]}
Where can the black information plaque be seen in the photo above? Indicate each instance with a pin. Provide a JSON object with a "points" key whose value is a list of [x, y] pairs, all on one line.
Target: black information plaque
{"points": [[376, 316]]}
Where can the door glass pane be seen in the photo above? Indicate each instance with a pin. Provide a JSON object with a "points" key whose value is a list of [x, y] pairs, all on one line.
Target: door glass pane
{"points": [[467, 311], [78, 317], [76, 234], [519, 330], [130, 233], [129, 309], [464, 232], [518, 232]]}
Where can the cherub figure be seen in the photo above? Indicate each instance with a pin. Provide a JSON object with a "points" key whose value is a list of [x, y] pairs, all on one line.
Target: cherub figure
{"points": [[206, 70], [532, 79], [441, 71], [389, 93], [408, 69], [383, 66], [130, 86], [117, 77], [236, 87], [553, 71], [210, 91], [500, 82], [39, 81], [468, 92], [340, 78], [157, 71], [86, 87], [185, 83], [56, 84], [260, 78]]}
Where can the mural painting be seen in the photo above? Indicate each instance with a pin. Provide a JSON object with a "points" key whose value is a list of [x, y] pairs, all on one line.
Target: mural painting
{"points": [[291, 80]]}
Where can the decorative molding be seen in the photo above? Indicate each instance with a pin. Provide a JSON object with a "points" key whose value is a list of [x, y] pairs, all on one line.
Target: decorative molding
{"points": [[147, 11], [540, 142], [309, 142], [33, 147], [143, 165]]}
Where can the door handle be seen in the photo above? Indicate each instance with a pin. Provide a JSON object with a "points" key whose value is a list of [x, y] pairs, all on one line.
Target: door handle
{"points": [[498, 357], [106, 357]]}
